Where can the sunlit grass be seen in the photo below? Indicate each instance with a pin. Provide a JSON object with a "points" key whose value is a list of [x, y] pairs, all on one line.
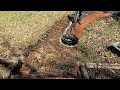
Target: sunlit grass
{"points": [[96, 37], [23, 28]]}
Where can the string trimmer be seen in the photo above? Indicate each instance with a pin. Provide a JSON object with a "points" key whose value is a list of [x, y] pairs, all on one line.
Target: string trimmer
{"points": [[77, 22]]}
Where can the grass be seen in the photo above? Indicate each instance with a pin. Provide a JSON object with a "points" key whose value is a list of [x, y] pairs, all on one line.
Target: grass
{"points": [[20, 29], [3, 72], [96, 37], [23, 28]]}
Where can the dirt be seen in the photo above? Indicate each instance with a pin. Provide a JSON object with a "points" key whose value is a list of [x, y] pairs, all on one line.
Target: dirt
{"points": [[49, 59], [52, 59], [104, 73]]}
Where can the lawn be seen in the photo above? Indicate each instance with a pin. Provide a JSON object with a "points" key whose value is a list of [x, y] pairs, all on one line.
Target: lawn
{"points": [[95, 39], [20, 29]]}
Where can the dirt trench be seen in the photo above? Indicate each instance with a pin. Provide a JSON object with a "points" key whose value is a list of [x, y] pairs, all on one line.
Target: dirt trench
{"points": [[49, 58]]}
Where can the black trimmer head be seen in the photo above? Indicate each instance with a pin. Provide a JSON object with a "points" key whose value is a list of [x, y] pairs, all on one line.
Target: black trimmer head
{"points": [[69, 40], [115, 48]]}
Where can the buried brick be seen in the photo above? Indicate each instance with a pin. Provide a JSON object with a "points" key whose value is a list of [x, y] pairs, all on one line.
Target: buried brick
{"points": [[103, 65]]}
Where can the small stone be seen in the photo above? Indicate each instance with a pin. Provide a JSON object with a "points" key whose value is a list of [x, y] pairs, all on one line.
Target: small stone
{"points": [[24, 71], [21, 57], [14, 59]]}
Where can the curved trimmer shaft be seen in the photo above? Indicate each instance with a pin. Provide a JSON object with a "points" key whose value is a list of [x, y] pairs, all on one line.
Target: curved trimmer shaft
{"points": [[77, 24]]}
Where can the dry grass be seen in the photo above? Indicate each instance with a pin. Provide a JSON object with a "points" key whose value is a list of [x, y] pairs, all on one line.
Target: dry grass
{"points": [[96, 37], [24, 28], [20, 29]]}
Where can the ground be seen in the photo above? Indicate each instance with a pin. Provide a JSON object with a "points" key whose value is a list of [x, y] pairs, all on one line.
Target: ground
{"points": [[51, 59], [48, 58]]}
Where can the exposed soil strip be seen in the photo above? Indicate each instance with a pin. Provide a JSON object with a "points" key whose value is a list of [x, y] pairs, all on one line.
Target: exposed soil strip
{"points": [[86, 20], [51, 58], [55, 53]]}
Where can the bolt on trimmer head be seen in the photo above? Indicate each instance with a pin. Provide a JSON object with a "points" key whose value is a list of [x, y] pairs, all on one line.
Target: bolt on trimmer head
{"points": [[76, 24], [69, 40]]}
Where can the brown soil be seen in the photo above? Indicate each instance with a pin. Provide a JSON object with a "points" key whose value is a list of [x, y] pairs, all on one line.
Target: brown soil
{"points": [[49, 59], [52, 59]]}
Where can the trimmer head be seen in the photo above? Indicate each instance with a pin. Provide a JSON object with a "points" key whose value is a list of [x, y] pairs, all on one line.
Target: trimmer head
{"points": [[115, 48], [69, 40]]}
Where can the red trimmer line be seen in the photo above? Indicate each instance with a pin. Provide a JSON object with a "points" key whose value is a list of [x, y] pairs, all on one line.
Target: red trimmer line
{"points": [[76, 24]]}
